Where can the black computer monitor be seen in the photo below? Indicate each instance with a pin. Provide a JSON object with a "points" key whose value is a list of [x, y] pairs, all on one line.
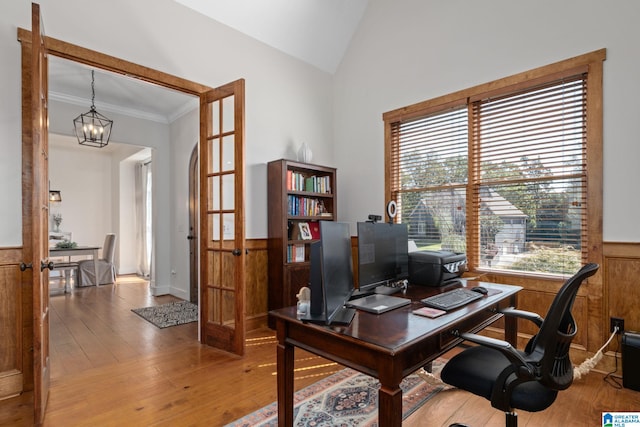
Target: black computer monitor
{"points": [[331, 275], [383, 254]]}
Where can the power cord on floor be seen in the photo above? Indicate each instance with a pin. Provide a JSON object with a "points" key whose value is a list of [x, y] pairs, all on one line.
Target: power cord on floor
{"points": [[587, 365], [609, 378], [578, 372]]}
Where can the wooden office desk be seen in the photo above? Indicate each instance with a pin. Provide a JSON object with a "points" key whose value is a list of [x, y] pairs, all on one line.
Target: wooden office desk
{"points": [[388, 347], [78, 250]]}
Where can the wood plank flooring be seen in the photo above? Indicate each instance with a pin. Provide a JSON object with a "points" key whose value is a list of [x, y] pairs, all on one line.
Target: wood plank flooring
{"points": [[112, 368]]}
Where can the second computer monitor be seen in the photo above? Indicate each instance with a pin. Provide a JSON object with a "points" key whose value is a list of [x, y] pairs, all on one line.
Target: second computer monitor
{"points": [[383, 255], [331, 276]]}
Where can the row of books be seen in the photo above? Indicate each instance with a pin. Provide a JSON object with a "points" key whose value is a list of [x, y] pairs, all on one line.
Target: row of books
{"points": [[305, 206], [295, 253], [297, 181]]}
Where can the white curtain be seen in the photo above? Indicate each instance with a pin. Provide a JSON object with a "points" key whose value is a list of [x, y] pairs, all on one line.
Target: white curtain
{"points": [[143, 218]]}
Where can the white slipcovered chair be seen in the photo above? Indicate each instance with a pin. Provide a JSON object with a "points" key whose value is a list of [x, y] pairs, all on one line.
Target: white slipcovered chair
{"points": [[106, 267]]}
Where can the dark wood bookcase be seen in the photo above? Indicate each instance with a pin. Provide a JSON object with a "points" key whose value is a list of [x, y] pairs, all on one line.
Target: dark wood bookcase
{"points": [[298, 193]]}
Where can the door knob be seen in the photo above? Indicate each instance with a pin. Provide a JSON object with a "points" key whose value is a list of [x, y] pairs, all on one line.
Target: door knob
{"points": [[24, 266], [44, 265]]}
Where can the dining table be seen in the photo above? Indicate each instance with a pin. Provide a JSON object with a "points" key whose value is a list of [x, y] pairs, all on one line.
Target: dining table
{"points": [[78, 251]]}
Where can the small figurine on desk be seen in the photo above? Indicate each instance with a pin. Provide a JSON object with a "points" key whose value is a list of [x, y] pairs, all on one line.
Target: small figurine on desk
{"points": [[304, 301]]}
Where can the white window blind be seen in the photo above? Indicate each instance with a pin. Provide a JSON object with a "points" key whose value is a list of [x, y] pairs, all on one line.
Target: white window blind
{"points": [[500, 177], [431, 164], [530, 151]]}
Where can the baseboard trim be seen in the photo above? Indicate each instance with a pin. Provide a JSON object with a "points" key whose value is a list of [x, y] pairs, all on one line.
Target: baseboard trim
{"points": [[156, 291], [180, 293]]}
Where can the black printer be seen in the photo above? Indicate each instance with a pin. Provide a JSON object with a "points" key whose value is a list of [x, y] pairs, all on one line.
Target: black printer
{"points": [[435, 268]]}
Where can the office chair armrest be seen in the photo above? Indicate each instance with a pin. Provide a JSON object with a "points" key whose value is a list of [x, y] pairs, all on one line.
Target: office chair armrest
{"points": [[527, 315], [504, 347]]}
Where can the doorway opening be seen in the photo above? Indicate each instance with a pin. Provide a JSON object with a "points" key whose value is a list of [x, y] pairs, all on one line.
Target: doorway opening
{"points": [[194, 195], [144, 113]]}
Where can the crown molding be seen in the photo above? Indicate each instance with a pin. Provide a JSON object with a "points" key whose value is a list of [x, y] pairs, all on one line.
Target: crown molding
{"points": [[131, 112]]}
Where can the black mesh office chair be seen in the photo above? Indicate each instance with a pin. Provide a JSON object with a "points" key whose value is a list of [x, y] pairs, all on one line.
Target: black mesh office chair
{"points": [[530, 379]]}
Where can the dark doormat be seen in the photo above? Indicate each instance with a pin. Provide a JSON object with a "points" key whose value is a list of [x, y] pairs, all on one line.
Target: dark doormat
{"points": [[170, 314]]}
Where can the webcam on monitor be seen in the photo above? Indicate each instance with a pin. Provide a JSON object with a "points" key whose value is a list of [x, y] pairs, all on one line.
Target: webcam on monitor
{"points": [[374, 218]]}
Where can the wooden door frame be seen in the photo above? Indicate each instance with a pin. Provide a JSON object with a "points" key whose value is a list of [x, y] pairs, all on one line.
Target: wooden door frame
{"points": [[35, 213], [102, 61]]}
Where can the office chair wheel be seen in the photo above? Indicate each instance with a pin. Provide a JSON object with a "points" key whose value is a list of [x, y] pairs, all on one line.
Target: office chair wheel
{"points": [[458, 425]]}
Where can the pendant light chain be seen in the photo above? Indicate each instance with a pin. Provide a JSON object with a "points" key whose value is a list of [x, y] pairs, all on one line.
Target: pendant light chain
{"points": [[92, 128], [93, 91]]}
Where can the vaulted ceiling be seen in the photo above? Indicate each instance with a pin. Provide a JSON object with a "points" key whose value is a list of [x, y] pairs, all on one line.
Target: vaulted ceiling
{"points": [[315, 31]]}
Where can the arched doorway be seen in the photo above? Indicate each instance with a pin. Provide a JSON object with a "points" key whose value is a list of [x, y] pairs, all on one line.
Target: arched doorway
{"points": [[193, 226]]}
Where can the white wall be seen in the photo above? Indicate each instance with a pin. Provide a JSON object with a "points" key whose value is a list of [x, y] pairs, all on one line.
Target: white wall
{"points": [[287, 101], [85, 180], [127, 258], [406, 51], [10, 126], [134, 132], [97, 187]]}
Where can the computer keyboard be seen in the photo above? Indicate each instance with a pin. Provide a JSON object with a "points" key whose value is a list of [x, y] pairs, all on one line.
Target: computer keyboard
{"points": [[453, 299]]}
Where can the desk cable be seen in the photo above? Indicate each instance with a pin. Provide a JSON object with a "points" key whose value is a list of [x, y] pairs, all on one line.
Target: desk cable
{"points": [[590, 363]]}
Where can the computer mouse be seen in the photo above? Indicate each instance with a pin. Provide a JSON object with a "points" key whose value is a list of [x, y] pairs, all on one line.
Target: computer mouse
{"points": [[480, 289]]}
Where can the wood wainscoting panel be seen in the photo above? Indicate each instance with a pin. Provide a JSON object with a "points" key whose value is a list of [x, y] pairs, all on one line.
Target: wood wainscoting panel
{"points": [[539, 302], [256, 282], [12, 355], [622, 295], [536, 296]]}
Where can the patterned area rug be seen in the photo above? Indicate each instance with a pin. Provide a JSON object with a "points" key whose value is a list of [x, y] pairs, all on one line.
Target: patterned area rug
{"points": [[346, 398], [170, 314]]}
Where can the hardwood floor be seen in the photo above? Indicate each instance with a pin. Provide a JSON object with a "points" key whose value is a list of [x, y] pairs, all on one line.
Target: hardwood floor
{"points": [[112, 368]]}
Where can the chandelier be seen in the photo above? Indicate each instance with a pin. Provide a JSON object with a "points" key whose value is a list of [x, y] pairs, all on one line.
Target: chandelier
{"points": [[55, 196], [92, 128]]}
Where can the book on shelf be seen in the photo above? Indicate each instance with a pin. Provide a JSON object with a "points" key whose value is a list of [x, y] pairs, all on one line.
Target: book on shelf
{"points": [[304, 206], [297, 181], [317, 184], [294, 231], [295, 253], [314, 227], [309, 184]]}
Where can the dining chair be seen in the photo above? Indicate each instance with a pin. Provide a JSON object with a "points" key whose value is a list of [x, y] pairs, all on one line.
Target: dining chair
{"points": [[106, 266], [68, 271]]}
